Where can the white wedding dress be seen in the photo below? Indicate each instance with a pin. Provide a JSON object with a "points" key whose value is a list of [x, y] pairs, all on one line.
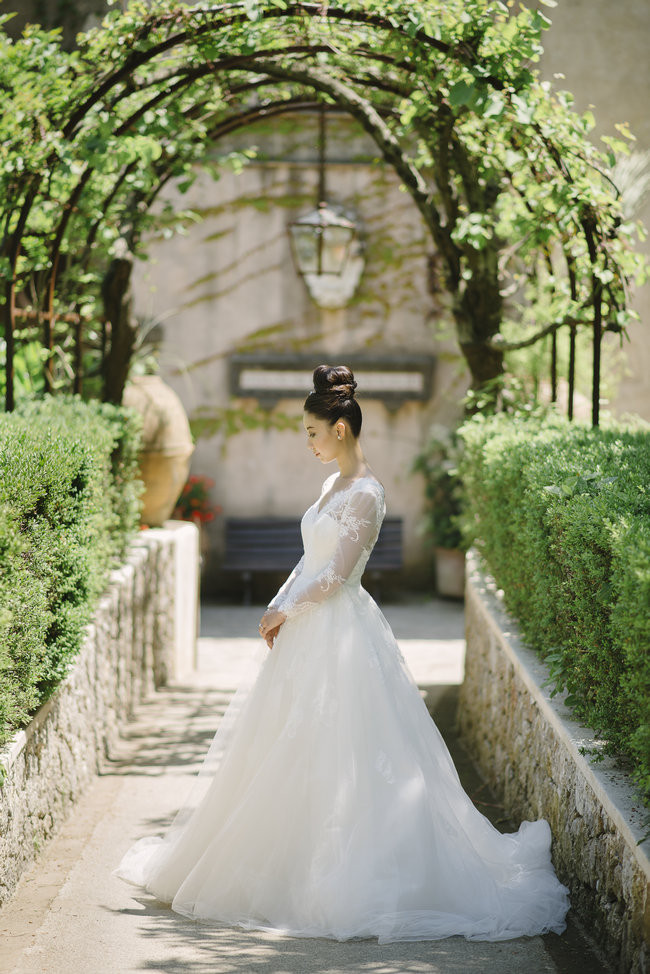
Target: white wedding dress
{"points": [[335, 809]]}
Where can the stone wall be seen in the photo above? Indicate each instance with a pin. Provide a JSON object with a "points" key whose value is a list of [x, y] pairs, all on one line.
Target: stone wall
{"points": [[134, 644], [229, 287], [530, 750]]}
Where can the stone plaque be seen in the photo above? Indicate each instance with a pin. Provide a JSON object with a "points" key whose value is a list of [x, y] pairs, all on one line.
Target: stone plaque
{"points": [[393, 379]]}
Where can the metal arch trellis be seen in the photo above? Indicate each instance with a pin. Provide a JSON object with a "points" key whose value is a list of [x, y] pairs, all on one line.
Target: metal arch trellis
{"points": [[49, 316], [277, 66]]}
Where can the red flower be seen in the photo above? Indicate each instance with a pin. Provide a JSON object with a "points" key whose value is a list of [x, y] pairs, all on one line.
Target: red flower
{"points": [[194, 501]]}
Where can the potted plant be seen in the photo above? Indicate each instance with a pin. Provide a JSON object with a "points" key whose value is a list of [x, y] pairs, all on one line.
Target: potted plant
{"points": [[438, 463]]}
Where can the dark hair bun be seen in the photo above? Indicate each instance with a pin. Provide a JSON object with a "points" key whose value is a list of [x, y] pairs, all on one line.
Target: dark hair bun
{"points": [[335, 380], [333, 397]]}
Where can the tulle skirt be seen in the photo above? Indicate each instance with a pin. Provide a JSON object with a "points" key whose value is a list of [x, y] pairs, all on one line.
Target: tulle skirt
{"points": [[333, 808]]}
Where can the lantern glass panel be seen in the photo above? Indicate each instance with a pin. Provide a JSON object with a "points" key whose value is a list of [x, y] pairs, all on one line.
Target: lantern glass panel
{"points": [[305, 243], [336, 246]]}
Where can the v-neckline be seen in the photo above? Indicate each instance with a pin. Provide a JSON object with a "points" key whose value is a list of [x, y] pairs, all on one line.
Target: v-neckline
{"points": [[324, 501]]}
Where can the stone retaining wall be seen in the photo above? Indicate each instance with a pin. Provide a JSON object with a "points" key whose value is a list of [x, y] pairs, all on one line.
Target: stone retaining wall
{"points": [[529, 749], [143, 633]]}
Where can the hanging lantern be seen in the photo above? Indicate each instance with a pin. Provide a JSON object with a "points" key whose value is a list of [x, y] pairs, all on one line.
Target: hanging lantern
{"points": [[322, 241], [326, 246]]}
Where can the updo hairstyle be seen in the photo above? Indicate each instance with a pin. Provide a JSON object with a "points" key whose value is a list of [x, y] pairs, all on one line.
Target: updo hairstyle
{"points": [[333, 397]]}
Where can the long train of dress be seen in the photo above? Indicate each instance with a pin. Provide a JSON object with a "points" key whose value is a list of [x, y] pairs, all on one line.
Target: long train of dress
{"points": [[335, 809]]}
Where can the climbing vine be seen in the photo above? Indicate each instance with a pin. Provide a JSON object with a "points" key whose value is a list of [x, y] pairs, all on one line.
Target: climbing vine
{"points": [[518, 201]]}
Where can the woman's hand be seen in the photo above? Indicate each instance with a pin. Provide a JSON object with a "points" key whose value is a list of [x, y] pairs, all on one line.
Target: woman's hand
{"points": [[270, 625], [270, 636]]}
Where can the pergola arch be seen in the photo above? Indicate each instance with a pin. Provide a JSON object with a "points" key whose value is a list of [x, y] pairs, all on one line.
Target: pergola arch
{"points": [[452, 83]]}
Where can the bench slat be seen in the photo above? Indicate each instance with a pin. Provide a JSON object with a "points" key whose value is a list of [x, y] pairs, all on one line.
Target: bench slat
{"points": [[275, 544]]}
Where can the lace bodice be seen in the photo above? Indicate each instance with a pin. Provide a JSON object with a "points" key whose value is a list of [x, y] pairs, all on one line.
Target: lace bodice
{"points": [[339, 532]]}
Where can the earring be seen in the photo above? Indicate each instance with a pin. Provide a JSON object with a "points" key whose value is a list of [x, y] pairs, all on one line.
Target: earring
{"points": [[338, 436]]}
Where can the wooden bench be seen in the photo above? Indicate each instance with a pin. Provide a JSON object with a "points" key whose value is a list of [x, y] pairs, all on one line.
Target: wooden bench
{"points": [[274, 544]]}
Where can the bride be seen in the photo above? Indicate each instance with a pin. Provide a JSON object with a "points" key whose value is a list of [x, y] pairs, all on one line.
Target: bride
{"points": [[335, 809]]}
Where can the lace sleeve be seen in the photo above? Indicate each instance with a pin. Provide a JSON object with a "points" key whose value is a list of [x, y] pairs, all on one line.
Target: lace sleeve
{"points": [[284, 590], [359, 521]]}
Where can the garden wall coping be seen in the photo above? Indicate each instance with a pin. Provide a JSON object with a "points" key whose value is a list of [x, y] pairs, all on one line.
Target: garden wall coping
{"points": [[143, 633], [531, 750]]}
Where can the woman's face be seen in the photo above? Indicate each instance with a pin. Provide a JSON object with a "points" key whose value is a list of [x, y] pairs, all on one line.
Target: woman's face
{"points": [[322, 438]]}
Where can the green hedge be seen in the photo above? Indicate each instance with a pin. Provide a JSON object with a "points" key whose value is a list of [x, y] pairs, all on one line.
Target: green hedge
{"points": [[69, 502], [561, 514]]}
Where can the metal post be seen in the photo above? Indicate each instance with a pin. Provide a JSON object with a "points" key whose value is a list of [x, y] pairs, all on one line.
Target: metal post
{"points": [[554, 367], [597, 339], [573, 284], [572, 368], [48, 332], [78, 357], [10, 311]]}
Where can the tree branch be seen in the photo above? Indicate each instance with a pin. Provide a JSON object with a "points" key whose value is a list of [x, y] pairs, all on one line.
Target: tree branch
{"points": [[370, 119], [501, 345]]}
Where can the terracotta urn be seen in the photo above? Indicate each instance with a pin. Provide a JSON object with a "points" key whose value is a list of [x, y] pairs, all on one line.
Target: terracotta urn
{"points": [[166, 445]]}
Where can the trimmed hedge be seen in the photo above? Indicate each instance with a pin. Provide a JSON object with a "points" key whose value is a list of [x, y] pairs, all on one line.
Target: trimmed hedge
{"points": [[69, 502], [561, 514]]}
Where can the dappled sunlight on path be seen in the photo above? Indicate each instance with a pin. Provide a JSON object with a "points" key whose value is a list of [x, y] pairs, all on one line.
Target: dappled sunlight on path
{"points": [[71, 916]]}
